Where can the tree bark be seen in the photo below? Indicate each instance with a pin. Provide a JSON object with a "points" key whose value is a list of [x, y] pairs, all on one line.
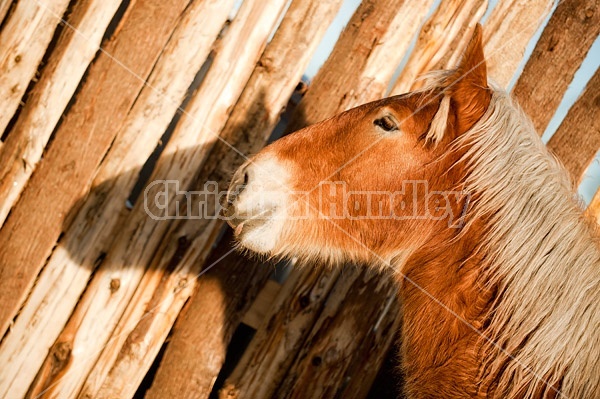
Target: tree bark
{"points": [[507, 33], [48, 100], [79, 144], [87, 240], [446, 33], [578, 137], [563, 45]]}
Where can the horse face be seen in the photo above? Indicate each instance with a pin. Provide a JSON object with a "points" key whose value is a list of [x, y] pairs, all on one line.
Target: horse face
{"points": [[366, 185], [355, 175]]}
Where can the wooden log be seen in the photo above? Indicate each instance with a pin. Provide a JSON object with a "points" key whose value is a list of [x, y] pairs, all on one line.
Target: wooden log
{"points": [[83, 245], [322, 369], [73, 52], [445, 33], [372, 35], [193, 360], [248, 128], [23, 42], [4, 8], [563, 45], [290, 320], [80, 142], [260, 308], [578, 137], [508, 31], [366, 73], [115, 282]]}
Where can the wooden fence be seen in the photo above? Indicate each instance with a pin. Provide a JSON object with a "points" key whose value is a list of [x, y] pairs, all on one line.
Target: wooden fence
{"points": [[99, 300]]}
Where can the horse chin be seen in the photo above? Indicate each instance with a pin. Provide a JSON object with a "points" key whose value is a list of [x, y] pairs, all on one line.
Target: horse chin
{"points": [[261, 238]]}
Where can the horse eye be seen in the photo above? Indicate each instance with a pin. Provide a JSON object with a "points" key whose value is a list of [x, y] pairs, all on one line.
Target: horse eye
{"points": [[386, 123]]}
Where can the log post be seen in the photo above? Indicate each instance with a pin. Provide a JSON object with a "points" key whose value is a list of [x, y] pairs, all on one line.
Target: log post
{"points": [[563, 45], [89, 237], [23, 42], [578, 137], [445, 33], [136, 240], [507, 33], [46, 103], [64, 175]]}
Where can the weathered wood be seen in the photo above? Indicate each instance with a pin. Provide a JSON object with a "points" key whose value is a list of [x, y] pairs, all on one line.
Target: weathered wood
{"points": [[67, 272], [73, 52], [445, 33], [370, 49], [262, 304], [322, 368], [4, 7], [373, 37], [281, 337], [23, 42], [79, 144], [563, 45], [507, 33], [248, 128], [114, 284], [192, 360], [578, 137]]}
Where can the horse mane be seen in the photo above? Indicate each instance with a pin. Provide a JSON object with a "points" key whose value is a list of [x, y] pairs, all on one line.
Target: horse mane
{"points": [[541, 256]]}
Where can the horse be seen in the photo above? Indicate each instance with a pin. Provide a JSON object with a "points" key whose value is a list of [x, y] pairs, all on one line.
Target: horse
{"points": [[451, 189]]}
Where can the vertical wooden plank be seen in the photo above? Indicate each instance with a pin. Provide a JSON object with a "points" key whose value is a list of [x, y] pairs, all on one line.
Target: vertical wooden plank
{"points": [[68, 270], [23, 42], [136, 241], [197, 348], [79, 145], [578, 137], [375, 36], [445, 33], [4, 7], [322, 368], [563, 45], [266, 93], [507, 32], [74, 50]]}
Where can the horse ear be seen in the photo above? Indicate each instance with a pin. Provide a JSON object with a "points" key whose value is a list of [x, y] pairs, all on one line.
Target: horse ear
{"points": [[468, 86]]}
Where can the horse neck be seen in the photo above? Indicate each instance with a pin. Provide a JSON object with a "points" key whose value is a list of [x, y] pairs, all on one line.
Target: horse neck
{"points": [[524, 271]]}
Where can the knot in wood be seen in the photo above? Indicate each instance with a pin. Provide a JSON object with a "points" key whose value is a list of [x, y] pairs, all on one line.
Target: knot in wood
{"points": [[316, 361], [304, 301], [115, 284], [62, 351]]}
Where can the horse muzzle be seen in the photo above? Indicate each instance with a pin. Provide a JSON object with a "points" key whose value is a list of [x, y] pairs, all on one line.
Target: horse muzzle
{"points": [[256, 202]]}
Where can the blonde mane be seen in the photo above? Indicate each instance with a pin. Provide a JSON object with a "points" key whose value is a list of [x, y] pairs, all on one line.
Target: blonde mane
{"points": [[540, 253]]}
